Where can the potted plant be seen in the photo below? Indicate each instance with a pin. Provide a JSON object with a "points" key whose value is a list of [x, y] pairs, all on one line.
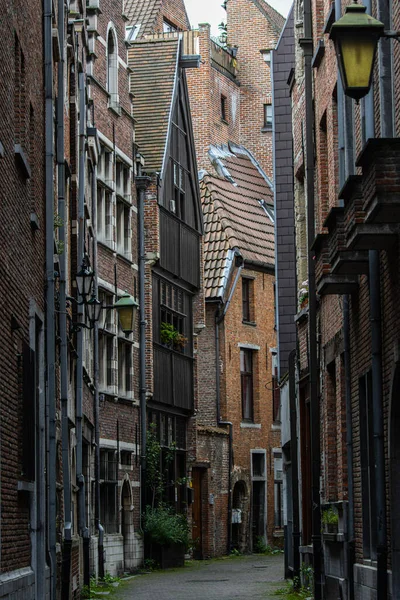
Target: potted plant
{"points": [[167, 536], [330, 520], [171, 337], [303, 295]]}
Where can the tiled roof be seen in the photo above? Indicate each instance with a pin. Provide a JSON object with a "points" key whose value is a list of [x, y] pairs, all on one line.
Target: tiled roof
{"points": [[143, 12], [236, 207], [152, 82], [273, 16]]}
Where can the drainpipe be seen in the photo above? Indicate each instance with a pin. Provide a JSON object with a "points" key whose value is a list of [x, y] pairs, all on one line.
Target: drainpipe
{"points": [[369, 99], [67, 542], [378, 423], [219, 317], [387, 131], [295, 468], [50, 309], [142, 183], [307, 46]]}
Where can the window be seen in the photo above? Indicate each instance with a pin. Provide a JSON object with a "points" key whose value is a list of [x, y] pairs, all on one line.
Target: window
{"points": [[278, 488], [276, 399], [108, 491], [106, 357], [124, 240], [171, 430], [178, 203], [246, 377], [104, 215], [107, 321], [247, 300], [19, 94], [267, 116], [266, 54], [124, 369], [123, 181], [367, 467], [172, 312], [224, 108], [126, 458], [112, 68], [169, 27]]}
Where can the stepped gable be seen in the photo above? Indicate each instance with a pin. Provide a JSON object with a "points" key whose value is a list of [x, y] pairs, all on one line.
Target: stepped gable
{"points": [[238, 213]]}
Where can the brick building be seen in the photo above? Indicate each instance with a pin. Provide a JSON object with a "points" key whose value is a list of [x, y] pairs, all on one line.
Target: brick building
{"points": [[231, 97], [22, 302], [238, 467], [356, 273], [173, 273]]}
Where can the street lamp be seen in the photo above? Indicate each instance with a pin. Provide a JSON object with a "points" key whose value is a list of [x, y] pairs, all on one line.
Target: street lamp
{"points": [[126, 308], [84, 281], [93, 308], [356, 37]]}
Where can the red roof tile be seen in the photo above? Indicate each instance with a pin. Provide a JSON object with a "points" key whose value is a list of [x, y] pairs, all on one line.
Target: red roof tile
{"points": [[236, 207]]}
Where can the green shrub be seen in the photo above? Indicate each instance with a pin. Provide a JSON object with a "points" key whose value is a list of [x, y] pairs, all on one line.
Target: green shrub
{"points": [[330, 516], [163, 526]]}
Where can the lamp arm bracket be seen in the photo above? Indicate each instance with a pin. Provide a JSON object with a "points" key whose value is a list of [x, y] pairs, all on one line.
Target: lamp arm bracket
{"points": [[72, 299], [394, 35]]}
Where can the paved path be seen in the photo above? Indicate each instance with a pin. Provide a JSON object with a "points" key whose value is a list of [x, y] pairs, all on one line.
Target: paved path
{"points": [[246, 577]]}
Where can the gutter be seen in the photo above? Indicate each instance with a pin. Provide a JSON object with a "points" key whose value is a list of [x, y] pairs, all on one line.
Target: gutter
{"points": [[50, 308]]}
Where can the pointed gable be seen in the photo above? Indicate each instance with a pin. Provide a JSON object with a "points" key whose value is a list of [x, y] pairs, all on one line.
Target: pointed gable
{"points": [[151, 14], [152, 83]]}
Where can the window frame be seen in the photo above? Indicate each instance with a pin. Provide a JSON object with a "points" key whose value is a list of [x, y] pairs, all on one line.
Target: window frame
{"points": [[224, 109], [268, 118], [112, 68], [247, 384]]}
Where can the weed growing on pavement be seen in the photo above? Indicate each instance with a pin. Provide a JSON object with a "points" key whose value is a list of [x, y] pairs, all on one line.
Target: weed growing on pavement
{"points": [[289, 592], [260, 547]]}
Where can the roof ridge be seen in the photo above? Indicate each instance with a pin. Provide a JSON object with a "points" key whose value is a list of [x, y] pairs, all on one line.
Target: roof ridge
{"points": [[276, 19]]}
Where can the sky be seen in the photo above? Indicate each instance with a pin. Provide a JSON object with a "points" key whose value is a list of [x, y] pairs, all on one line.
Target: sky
{"points": [[210, 11]]}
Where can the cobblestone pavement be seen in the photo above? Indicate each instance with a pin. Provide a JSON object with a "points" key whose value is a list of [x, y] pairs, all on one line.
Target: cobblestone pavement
{"points": [[253, 577]]}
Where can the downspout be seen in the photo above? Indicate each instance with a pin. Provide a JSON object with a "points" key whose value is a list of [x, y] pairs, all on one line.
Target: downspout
{"points": [[387, 131], [142, 184], [378, 423], [50, 309], [369, 99], [219, 317], [67, 542], [295, 468], [307, 46]]}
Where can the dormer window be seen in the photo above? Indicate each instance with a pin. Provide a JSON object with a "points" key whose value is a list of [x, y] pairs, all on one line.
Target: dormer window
{"points": [[169, 27], [112, 68]]}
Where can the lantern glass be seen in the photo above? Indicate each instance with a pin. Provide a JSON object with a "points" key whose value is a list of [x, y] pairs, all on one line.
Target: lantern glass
{"points": [[84, 281], [356, 54], [126, 307], [94, 307]]}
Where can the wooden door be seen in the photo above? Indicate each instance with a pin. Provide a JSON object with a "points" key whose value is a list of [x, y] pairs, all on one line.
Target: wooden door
{"points": [[197, 526]]}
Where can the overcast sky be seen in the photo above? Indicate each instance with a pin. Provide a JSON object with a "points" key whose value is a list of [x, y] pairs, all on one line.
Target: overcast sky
{"points": [[210, 11]]}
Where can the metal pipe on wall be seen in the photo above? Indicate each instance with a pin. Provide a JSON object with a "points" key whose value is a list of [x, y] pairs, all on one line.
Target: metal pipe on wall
{"points": [[386, 72], [295, 468], [142, 184], [50, 289], [67, 541], [307, 46]]}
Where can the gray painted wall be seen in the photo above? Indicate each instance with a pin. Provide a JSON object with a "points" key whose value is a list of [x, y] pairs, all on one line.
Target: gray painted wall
{"points": [[283, 60]]}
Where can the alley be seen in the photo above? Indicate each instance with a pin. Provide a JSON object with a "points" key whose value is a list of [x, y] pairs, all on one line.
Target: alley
{"points": [[256, 577]]}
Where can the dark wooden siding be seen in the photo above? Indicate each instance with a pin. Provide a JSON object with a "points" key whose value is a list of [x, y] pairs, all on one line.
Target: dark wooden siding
{"points": [[180, 249], [173, 378], [190, 256]]}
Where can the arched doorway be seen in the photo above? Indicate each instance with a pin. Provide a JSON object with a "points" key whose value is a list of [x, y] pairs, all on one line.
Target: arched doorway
{"points": [[239, 516], [127, 529], [395, 479]]}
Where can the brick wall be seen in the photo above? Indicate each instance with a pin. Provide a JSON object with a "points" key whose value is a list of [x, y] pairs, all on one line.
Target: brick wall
{"points": [[22, 256]]}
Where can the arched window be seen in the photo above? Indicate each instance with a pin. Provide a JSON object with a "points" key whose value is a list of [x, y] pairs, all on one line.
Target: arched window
{"points": [[112, 68]]}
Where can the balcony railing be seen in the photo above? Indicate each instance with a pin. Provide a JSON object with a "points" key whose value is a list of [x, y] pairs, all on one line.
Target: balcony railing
{"points": [[190, 40]]}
